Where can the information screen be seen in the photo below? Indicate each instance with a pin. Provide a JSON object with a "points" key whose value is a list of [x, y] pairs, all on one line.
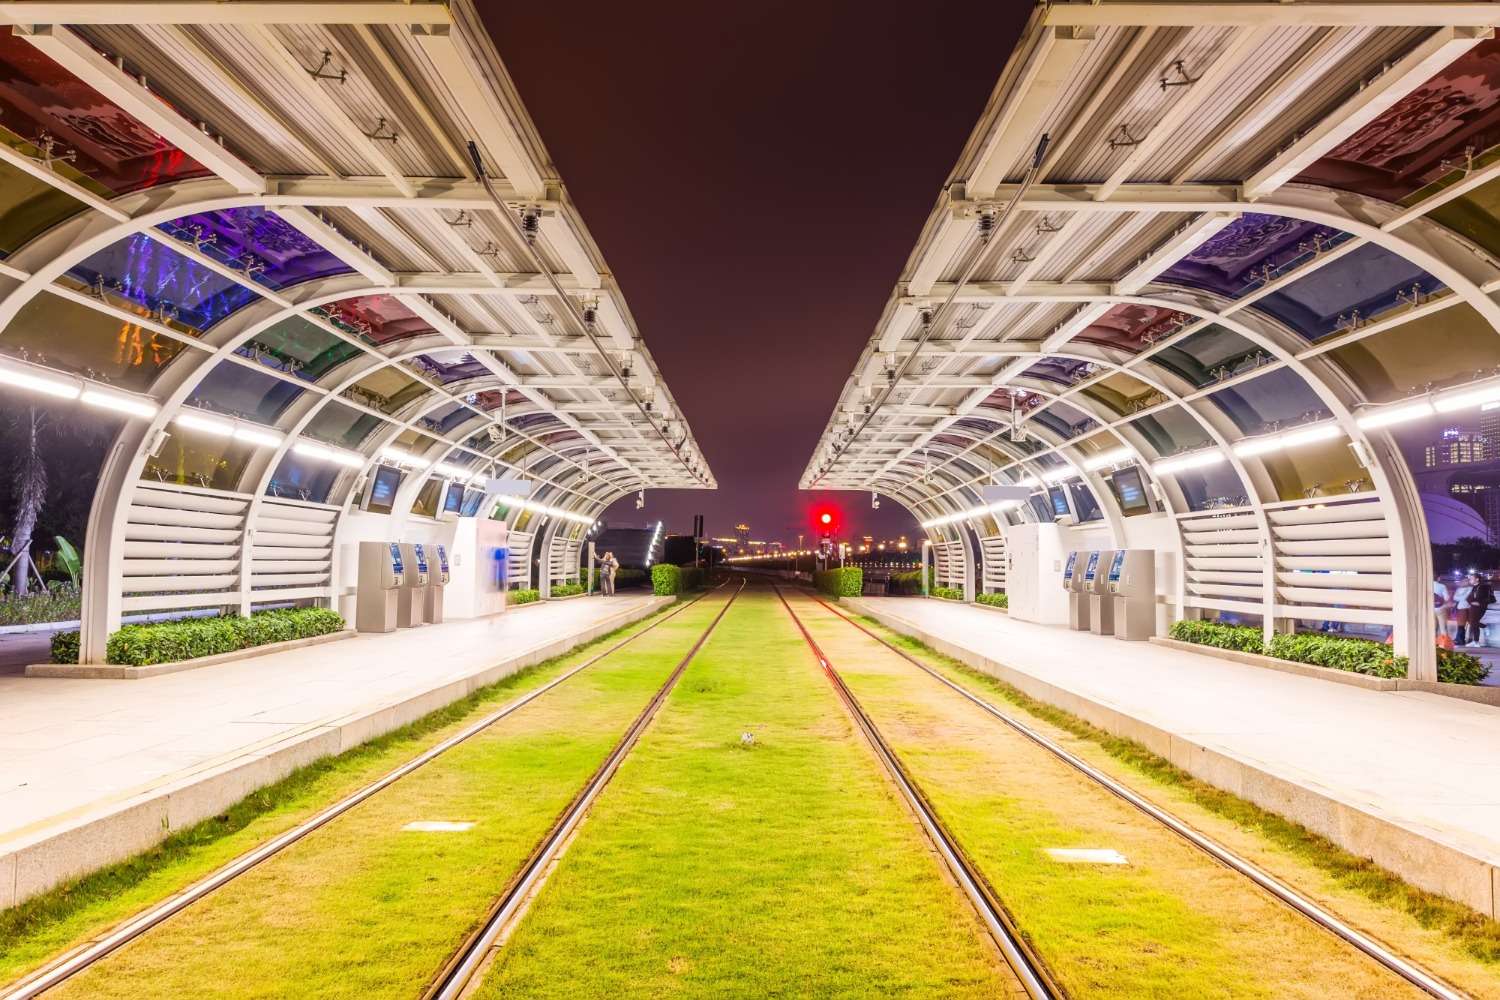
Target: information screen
{"points": [[1068, 570], [1059, 501], [1115, 566], [383, 489], [1092, 569], [421, 558], [1130, 491], [472, 500], [453, 500], [442, 558], [396, 563]]}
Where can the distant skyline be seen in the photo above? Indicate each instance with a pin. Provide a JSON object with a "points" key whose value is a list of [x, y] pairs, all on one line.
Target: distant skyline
{"points": [[756, 179]]}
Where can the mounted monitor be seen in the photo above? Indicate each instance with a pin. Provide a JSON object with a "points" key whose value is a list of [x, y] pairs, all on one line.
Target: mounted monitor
{"points": [[472, 501], [453, 500], [1129, 488], [380, 494], [1057, 499]]}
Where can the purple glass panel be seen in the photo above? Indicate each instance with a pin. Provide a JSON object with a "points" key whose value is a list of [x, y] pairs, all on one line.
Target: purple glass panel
{"points": [[160, 279], [1277, 397], [1366, 281], [1248, 251], [1424, 135], [258, 242], [1062, 371], [450, 368], [379, 319], [41, 101]]}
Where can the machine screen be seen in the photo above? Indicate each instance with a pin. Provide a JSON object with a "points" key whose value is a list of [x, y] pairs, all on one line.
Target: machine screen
{"points": [[453, 500], [396, 559], [1115, 566], [1059, 502], [1130, 490], [1089, 571], [422, 558], [472, 500], [1068, 570], [442, 558], [383, 489]]}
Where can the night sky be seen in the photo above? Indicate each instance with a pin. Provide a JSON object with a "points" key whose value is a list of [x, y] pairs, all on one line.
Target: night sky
{"points": [[756, 176]]}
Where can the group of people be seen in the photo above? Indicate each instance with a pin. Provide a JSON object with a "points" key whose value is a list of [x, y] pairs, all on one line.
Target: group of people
{"points": [[608, 567], [1463, 605]]}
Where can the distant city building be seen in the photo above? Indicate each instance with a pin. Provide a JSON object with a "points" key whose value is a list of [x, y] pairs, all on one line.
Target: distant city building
{"points": [[1457, 446]]}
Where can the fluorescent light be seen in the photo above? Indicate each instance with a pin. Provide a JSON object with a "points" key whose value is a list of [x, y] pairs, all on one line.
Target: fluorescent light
{"points": [[1259, 445], [309, 449], [973, 512], [39, 383], [1058, 475], [120, 404], [1030, 482], [256, 435], [1114, 457], [1196, 460], [1310, 434], [1465, 397], [208, 425], [452, 471], [399, 456], [1399, 414]]}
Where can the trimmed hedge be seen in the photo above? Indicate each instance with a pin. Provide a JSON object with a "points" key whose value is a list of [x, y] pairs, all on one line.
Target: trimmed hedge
{"points": [[528, 596], [994, 600], [668, 580], [847, 581], [65, 647], [567, 589], [909, 583], [1337, 652], [947, 593], [191, 638]]}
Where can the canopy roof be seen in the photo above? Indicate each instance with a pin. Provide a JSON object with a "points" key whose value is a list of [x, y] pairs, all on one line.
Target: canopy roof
{"points": [[266, 216], [1252, 227]]}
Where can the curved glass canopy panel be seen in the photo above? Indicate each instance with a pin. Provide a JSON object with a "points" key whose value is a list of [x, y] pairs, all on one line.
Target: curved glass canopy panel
{"points": [[112, 350], [303, 479], [1441, 348], [235, 388], [257, 242], [162, 281], [1358, 286], [1269, 400], [377, 319], [1208, 356], [29, 207], [1250, 251], [1131, 327], [300, 347]]}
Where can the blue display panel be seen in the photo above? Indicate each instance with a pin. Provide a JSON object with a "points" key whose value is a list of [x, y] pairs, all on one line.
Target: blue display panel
{"points": [[1059, 502], [1130, 491], [421, 555], [383, 485], [1116, 565], [1092, 569], [442, 558], [472, 500], [1068, 570], [396, 563], [453, 500]]}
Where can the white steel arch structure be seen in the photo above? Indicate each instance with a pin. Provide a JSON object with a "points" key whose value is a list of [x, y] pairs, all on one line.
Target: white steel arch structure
{"points": [[1256, 240], [267, 218]]}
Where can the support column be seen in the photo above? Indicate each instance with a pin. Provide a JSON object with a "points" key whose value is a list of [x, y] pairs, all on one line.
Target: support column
{"points": [[104, 547]]}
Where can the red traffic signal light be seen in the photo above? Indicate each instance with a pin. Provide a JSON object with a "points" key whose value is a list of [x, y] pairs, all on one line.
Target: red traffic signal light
{"points": [[825, 518]]}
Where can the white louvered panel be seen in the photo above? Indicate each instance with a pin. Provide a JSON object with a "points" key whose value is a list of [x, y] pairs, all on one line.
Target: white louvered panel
{"points": [[1333, 561], [286, 525], [1336, 581], [1359, 616], [1248, 592], [992, 552], [1244, 577], [172, 602], [1234, 549], [1238, 564], [1323, 513], [182, 546], [263, 580], [259, 566], [1223, 536], [292, 543], [949, 559], [278, 596], [1352, 598], [1370, 564], [1326, 530], [1338, 547], [290, 552], [563, 561], [1218, 522], [518, 564], [1220, 604]]}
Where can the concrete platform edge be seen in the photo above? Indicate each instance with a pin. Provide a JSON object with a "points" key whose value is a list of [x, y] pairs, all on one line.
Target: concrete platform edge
{"points": [[78, 844], [1413, 855], [103, 671]]}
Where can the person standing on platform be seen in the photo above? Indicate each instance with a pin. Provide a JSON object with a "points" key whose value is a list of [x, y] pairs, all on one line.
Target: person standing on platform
{"points": [[1481, 596], [607, 567], [1461, 593]]}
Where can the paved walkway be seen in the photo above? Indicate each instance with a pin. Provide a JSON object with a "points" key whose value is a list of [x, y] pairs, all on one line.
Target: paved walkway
{"points": [[1425, 764], [75, 751]]}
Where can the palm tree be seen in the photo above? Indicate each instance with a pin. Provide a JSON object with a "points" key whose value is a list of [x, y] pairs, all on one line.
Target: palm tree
{"points": [[28, 491]]}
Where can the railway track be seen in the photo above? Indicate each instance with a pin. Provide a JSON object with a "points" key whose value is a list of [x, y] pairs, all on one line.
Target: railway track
{"points": [[1405, 969], [1032, 973], [77, 960], [456, 976]]}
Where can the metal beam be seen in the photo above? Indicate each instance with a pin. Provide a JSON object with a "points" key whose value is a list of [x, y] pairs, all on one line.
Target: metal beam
{"points": [[218, 12], [1345, 15]]}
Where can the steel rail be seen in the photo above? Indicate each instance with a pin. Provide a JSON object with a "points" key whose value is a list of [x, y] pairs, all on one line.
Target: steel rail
{"points": [[75, 961], [1024, 962], [1413, 974], [454, 978]]}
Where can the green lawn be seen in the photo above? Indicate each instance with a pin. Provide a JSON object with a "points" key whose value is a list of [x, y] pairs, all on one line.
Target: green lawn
{"points": [[363, 908], [786, 868], [1170, 923]]}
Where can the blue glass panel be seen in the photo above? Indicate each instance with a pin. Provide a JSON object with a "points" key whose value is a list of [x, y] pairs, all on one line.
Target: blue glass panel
{"points": [[258, 242], [1249, 251], [235, 389], [1280, 396], [158, 278], [1366, 281], [303, 479]]}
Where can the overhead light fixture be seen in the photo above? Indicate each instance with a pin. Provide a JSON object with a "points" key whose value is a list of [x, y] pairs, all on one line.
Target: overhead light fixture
{"points": [[310, 449], [1250, 447], [257, 435], [1293, 438], [39, 383], [1401, 413], [1112, 457], [452, 471], [1466, 396], [128, 405], [1195, 460], [205, 425], [399, 457], [1058, 475], [964, 515]]}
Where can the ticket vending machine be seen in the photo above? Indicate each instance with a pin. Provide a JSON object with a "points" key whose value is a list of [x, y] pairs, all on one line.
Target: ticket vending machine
{"points": [[381, 574], [1078, 601], [412, 594], [432, 608], [1101, 602], [1132, 584]]}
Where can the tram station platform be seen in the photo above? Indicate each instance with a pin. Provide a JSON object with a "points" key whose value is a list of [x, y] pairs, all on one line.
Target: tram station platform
{"points": [[1408, 779], [94, 771]]}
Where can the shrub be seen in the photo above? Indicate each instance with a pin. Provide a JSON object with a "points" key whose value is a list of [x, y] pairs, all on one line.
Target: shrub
{"points": [[567, 589], [524, 596], [910, 582], [947, 593], [692, 577], [846, 581], [65, 647], [1242, 638], [191, 638], [60, 602], [1454, 667], [1360, 656], [666, 580], [994, 600]]}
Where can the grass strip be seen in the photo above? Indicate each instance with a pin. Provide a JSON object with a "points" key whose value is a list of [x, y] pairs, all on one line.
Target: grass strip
{"points": [[367, 908], [774, 865], [1169, 922], [43, 926], [1477, 936]]}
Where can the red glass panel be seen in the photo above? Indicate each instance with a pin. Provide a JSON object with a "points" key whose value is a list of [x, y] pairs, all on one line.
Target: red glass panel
{"points": [[378, 319]]}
